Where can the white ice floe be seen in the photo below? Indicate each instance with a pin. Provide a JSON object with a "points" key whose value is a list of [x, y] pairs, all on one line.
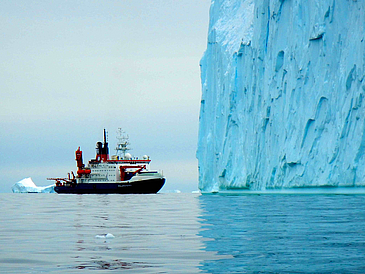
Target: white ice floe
{"points": [[173, 191], [105, 236]]}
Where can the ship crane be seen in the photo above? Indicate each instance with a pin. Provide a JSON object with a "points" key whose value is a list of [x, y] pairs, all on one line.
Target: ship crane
{"points": [[59, 181]]}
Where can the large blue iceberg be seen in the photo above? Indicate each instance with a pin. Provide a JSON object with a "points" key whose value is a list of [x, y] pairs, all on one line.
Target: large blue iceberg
{"points": [[283, 95]]}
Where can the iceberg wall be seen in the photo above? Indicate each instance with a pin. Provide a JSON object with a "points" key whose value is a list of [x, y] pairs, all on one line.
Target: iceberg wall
{"points": [[283, 95]]}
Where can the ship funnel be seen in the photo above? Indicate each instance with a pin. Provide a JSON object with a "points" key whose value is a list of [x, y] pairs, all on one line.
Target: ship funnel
{"points": [[105, 137], [102, 150]]}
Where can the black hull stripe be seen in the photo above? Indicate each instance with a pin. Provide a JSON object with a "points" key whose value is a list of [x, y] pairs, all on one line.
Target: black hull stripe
{"points": [[136, 187]]}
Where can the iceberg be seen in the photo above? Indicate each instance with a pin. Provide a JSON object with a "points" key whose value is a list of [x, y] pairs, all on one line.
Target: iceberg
{"points": [[283, 95], [28, 186]]}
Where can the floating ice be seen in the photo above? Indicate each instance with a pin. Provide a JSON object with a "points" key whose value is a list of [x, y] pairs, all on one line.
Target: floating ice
{"points": [[105, 236], [28, 186], [283, 95], [172, 191]]}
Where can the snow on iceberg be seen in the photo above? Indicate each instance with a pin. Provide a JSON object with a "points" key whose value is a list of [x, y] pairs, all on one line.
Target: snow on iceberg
{"points": [[28, 186], [283, 95]]}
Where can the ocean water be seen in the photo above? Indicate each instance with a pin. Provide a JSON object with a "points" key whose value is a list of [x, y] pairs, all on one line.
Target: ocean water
{"points": [[182, 233]]}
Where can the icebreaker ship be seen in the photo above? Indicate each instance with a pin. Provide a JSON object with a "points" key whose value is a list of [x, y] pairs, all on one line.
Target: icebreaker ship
{"points": [[283, 95]]}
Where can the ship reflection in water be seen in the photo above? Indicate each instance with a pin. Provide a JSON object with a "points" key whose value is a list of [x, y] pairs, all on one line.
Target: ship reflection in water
{"points": [[151, 234]]}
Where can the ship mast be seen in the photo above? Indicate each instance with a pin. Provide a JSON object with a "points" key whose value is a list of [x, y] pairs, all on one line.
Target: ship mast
{"points": [[122, 143]]}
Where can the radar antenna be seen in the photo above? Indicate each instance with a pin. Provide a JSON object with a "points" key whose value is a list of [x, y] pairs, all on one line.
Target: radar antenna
{"points": [[122, 143]]}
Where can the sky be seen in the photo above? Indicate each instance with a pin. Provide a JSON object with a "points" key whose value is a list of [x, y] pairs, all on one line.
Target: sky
{"points": [[69, 69]]}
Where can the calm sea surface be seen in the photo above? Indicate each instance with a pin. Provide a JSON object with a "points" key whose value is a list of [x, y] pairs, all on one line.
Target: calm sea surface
{"points": [[182, 233]]}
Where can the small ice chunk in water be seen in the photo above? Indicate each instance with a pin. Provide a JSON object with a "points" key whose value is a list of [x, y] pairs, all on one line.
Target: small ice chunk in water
{"points": [[109, 236], [105, 236]]}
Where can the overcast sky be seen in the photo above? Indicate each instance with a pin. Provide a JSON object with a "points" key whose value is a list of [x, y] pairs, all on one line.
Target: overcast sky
{"points": [[71, 68]]}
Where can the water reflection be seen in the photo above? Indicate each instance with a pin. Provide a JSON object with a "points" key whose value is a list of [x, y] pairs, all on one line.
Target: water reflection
{"points": [[283, 233], [221, 232], [183, 233], [153, 233]]}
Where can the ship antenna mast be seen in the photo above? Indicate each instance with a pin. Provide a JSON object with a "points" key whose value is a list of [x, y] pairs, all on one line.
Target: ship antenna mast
{"points": [[122, 143]]}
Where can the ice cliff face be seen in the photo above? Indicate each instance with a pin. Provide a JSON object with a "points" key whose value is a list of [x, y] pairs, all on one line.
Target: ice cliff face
{"points": [[283, 95]]}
